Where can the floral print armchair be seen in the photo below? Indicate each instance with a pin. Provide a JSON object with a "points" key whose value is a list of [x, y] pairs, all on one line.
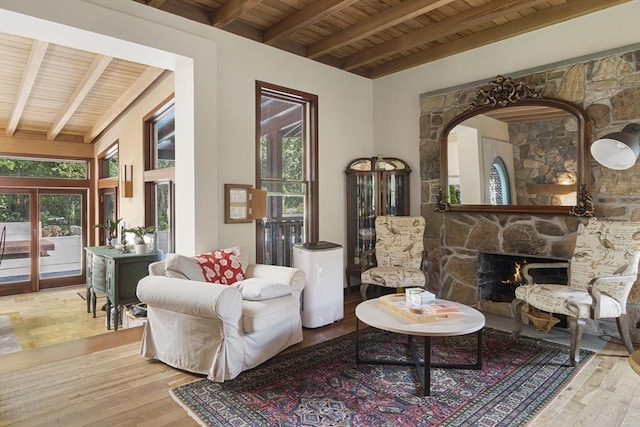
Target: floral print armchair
{"points": [[602, 270], [399, 250]]}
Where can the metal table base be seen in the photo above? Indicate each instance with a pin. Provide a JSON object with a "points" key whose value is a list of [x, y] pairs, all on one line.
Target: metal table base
{"points": [[423, 367]]}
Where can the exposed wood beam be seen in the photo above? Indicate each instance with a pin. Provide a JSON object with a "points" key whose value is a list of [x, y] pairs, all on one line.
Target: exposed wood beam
{"points": [[379, 22], [38, 50], [156, 3], [531, 22], [97, 67], [232, 10], [286, 118], [130, 95], [313, 12], [460, 22]]}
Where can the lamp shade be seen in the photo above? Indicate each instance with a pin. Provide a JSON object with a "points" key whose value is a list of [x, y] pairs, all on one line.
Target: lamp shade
{"points": [[618, 150]]}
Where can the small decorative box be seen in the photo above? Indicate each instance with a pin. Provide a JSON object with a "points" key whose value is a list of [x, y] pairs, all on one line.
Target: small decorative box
{"points": [[419, 297]]}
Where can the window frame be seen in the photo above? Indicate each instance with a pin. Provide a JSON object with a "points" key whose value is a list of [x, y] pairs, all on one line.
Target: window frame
{"points": [[153, 177], [309, 102]]}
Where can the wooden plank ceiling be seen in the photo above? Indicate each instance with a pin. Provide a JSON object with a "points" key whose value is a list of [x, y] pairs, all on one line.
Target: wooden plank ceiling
{"points": [[373, 38], [56, 93]]}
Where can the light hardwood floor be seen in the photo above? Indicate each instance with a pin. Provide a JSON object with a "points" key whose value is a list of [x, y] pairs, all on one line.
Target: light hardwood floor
{"points": [[102, 380]]}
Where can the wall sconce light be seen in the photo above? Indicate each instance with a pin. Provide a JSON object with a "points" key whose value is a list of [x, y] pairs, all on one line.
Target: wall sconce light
{"points": [[126, 181], [618, 150]]}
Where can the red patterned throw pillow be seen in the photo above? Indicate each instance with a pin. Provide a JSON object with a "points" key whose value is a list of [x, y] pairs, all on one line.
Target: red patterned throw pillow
{"points": [[220, 266]]}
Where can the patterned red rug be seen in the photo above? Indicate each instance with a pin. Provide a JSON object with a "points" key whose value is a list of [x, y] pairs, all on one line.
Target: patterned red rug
{"points": [[322, 385]]}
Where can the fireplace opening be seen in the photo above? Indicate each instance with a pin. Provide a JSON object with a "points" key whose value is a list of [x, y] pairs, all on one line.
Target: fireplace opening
{"points": [[499, 275]]}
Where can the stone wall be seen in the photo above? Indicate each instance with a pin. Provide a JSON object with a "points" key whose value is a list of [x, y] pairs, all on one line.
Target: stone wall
{"points": [[608, 88]]}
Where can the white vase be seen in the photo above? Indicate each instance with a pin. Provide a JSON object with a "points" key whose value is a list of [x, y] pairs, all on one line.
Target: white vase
{"points": [[141, 248]]}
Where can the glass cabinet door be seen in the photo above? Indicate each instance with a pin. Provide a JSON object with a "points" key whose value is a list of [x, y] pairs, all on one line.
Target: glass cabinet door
{"points": [[396, 194], [364, 208]]}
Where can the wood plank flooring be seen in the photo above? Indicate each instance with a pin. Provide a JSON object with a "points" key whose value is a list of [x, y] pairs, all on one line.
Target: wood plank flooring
{"points": [[102, 380]]}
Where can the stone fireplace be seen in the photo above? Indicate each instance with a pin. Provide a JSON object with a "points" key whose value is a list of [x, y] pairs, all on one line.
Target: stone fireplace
{"points": [[607, 87], [499, 275]]}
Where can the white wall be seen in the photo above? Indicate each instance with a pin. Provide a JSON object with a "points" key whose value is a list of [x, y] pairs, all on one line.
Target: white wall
{"points": [[396, 97], [215, 84]]}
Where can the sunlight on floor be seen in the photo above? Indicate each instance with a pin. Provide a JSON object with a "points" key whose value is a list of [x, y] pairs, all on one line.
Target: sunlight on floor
{"points": [[52, 316]]}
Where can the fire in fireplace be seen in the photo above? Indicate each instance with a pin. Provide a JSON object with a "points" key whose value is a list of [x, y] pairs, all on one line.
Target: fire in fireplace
{"points": [[499, 275]]}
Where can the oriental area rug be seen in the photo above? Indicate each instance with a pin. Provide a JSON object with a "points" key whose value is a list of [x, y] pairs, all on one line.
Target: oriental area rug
{"points": [[322, 385]]}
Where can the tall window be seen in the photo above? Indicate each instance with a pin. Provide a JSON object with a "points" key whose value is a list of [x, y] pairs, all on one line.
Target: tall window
{"points": [[160, 162], [108, 166], [499, 188], [287, 168]]}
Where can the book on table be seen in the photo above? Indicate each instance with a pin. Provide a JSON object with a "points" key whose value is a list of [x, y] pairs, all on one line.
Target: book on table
{"points": [[440, 310]]}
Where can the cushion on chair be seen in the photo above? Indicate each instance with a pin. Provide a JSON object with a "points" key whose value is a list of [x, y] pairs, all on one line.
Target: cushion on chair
{"points": [[261, 315], [399, 241], [394, 277], [186, 267], [183, 267], [220, 266], [563, 299], [255, 289], [606, 248]]}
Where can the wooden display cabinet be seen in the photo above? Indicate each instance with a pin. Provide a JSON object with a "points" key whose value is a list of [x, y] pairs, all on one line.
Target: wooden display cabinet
{"points": [[375, 186]]}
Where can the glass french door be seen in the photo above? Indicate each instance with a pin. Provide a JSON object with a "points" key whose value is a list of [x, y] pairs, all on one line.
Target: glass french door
{"points": [[43, 235]]}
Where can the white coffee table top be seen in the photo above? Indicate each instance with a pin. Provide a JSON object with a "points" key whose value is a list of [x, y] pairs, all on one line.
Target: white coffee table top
{"points": [[374, 313]]}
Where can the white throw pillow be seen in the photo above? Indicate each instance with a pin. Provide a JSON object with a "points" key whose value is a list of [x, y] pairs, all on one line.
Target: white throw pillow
{"points": [[255, 289], [183, 267]]}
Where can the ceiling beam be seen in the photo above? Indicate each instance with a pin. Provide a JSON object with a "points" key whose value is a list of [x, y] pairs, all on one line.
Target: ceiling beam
{"points": [[447, 27], [97, 67], [128, 97], [156, 3], [535, 21], [308, 15], [375, 24], [232, 10], [38, 50]]}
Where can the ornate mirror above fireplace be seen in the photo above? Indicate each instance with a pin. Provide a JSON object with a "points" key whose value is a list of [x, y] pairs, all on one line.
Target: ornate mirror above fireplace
{"points": [[514, 151]]}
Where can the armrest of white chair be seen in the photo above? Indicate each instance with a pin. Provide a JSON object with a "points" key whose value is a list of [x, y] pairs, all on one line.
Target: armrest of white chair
{"points": [[593, 290], [156, 268], [540, 265], [210, 300], [287, 275]]}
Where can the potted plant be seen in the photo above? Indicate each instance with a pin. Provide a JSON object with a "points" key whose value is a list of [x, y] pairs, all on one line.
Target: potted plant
{"points": [[111, 230], [139, 233]]}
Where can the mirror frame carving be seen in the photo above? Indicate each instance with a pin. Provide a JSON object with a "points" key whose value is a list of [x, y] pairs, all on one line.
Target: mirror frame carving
{"points": [[504, 92]]}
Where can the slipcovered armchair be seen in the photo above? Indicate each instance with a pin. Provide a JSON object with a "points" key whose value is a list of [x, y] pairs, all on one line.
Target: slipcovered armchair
{"points": [[602, 270], [215, 329], [398, 254]]}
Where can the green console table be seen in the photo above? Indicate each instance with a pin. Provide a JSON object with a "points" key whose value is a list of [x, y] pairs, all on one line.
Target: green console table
{"points": [[116, 274]]}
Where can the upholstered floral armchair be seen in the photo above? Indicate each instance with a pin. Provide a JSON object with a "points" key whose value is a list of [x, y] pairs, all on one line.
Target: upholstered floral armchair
{"points": [[602, 270], [399, 251]]}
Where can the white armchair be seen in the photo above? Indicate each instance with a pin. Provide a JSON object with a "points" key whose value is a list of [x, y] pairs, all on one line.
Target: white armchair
{"points": [[602, 270], [214, 329]]}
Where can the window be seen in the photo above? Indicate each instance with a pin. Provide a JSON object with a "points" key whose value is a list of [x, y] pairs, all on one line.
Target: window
{"points": [[19, 167], [43, 205], [499, 189], [160, 162], [287, 156], [108, 162]]}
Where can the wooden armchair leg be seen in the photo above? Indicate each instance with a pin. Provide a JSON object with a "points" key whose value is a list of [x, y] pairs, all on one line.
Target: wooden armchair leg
{"points": [[576, 326], [517, 305], [363, 291], [623, 328]]}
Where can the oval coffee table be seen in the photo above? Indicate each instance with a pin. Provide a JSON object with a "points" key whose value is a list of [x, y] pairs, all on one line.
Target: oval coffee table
{"points": [[374, 313]]}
